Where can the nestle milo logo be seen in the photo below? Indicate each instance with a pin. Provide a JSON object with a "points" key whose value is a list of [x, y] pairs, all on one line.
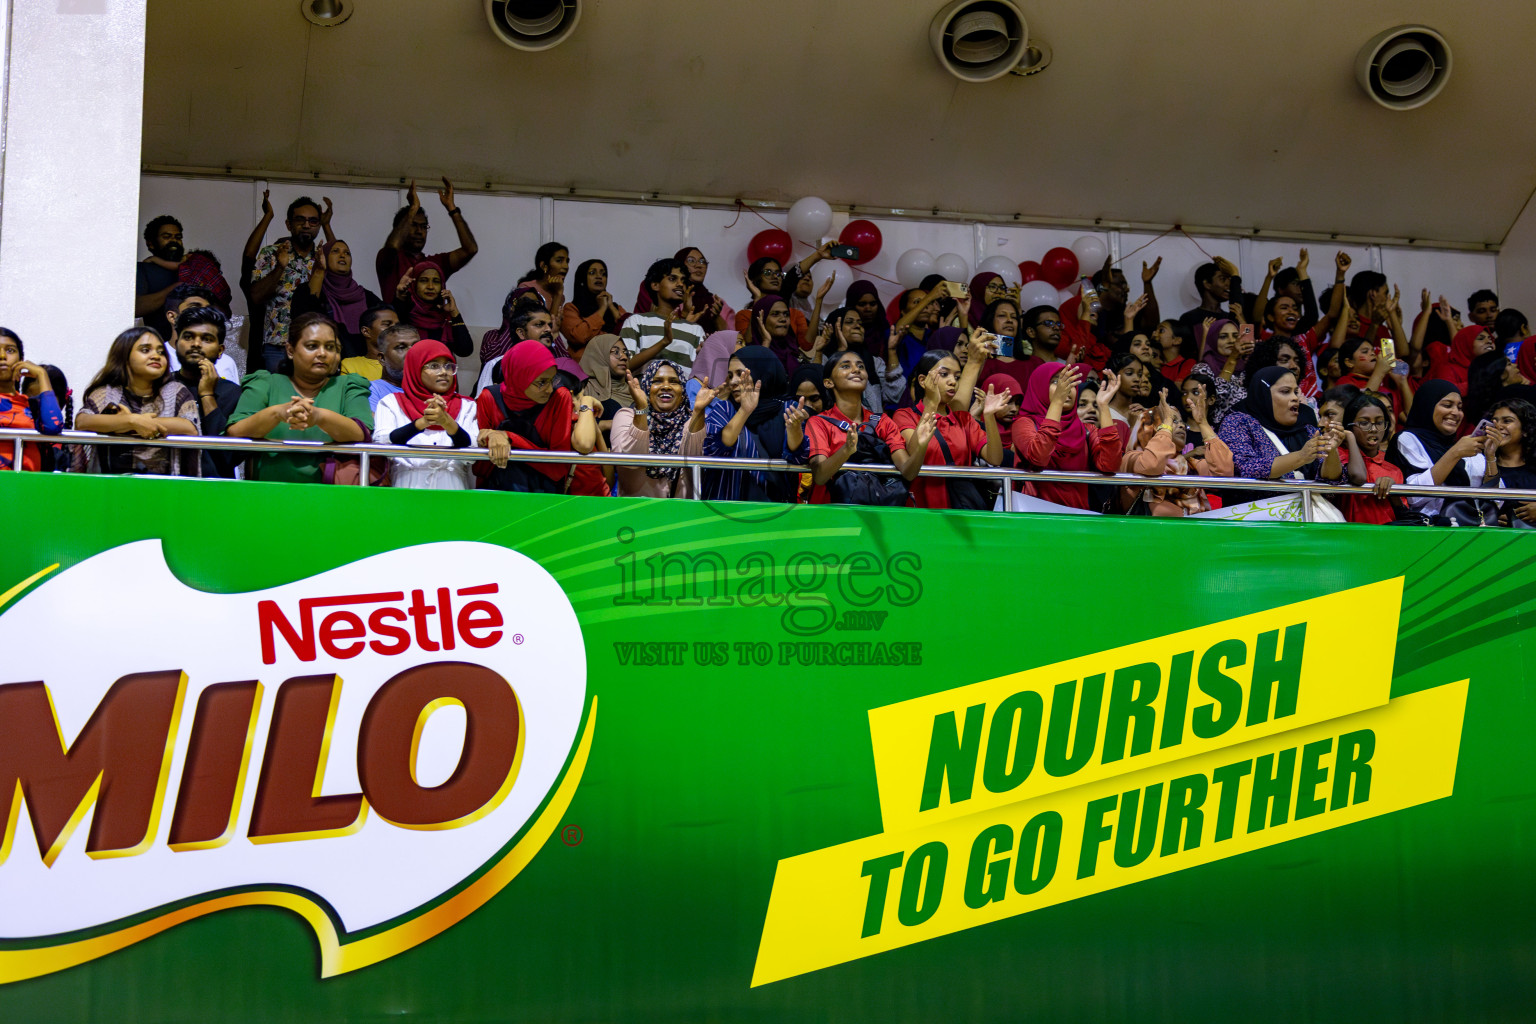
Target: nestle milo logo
{"points": [[354, 746]]}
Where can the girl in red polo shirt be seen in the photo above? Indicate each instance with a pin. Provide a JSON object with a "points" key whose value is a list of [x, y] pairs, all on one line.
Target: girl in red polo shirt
{"points": [[938, 379], [834, 433], [1368, 420]]}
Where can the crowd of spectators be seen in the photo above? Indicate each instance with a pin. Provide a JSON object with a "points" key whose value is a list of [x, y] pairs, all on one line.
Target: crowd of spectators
{"points": [[1280, 383]]}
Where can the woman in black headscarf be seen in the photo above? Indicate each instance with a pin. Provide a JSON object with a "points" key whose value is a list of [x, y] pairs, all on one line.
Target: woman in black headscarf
{"points": [[1272, 436], [746, 421], [1429, 452]]}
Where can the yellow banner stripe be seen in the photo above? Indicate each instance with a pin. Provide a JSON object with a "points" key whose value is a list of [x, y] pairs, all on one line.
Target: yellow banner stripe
{"points": [[822, 909]]}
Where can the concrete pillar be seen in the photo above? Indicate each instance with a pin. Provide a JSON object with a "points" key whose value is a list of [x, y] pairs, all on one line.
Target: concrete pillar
{"points": [[69, 182], [1517, 263]]}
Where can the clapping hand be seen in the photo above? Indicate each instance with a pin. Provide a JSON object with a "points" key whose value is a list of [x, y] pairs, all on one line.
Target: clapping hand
{"points": [[1108, 389], [826, 286], [1064, 388], [705, 396], [750, 396], [993, 402], [636, 392], [1148, 273]]}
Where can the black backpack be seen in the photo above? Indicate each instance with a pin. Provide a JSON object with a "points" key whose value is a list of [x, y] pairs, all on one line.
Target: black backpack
{"points": [[520, 476], [970, 495], [851, 487]]}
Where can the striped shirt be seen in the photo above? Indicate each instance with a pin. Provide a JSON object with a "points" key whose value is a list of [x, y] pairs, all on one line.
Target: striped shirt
{"points": [[642, 330]]}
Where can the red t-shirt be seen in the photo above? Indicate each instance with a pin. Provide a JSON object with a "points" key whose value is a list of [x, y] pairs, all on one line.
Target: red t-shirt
{"points": [[965, 438], [827, 436], [1365, 508]]}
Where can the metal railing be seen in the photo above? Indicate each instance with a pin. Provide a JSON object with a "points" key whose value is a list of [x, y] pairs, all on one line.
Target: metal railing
{"points": [[368, 450]]}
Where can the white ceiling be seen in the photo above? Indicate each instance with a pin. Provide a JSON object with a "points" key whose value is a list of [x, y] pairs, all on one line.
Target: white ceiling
{"points": [[1203, 112]]}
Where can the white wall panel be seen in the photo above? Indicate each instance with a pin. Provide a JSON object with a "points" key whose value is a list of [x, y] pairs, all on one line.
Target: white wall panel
{"points": [[219, 214]]}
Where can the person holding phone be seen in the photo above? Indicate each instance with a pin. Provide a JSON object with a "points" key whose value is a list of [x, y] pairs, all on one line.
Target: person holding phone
{"points": [[27, 402], [1272, 435], [426, 305], [1429, 452]]}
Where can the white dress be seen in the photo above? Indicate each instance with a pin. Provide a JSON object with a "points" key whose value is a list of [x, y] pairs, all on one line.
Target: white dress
{"points": [[1420, 475], [438, 474]]}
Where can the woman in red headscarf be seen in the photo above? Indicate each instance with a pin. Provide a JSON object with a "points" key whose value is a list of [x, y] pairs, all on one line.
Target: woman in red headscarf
{"points": [[428, 413], [426, 305], [1047, 433], [530, 413], [1470, 342]]}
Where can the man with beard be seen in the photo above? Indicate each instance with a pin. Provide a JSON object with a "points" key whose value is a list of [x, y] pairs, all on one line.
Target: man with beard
{"points": [[199, 348], [530, 322], [159, 272], [281, 268], [407, 242]]}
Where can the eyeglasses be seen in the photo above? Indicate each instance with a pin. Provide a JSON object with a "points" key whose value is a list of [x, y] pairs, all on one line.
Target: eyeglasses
{"points": [[696, 261], [1048, 323], [306, 220], [773, 273]]}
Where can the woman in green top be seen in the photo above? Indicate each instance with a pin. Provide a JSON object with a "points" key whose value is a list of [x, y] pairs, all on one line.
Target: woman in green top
{"points": [[304, 401]]}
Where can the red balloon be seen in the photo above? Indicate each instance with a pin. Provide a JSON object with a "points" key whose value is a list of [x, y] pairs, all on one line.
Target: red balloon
{"points": [[1029, 270], [772, 243], [1059, 266], [866, 236]]}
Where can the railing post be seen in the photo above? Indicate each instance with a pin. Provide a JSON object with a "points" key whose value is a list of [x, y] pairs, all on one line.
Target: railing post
{"points": [[698, 481], [1306, 506], [16, 454], [363, 481], [1007, 495]]}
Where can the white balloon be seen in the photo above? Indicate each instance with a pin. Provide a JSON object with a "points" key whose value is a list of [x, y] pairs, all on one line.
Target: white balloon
{"points": [[809, 219], [1065, 295], [1090, 252], [1003, 267], [912, 266], [953, 266], [1037, 293]]}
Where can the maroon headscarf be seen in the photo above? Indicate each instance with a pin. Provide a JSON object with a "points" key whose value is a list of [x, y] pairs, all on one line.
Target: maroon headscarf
{"points": [[429, 319], [978, 290], [788, 350], [1037, 401]]}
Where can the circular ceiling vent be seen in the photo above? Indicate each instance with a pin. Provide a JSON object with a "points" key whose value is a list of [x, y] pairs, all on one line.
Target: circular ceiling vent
{"points": [[1404, 67], [533, 24], [979, 40], [326, 13]]}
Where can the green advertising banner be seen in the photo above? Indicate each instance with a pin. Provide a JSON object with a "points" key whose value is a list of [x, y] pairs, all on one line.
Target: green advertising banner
{"points": [[309, 754]]}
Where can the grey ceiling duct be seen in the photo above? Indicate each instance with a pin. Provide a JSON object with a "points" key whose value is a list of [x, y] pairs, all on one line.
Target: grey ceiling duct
{"points": [[979, 40], [533, 24], [1404, 67]]}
